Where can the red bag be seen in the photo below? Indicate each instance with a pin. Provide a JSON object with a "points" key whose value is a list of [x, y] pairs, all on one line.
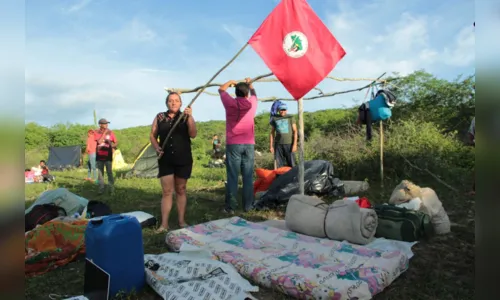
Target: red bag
{"points": [[364, 203]]}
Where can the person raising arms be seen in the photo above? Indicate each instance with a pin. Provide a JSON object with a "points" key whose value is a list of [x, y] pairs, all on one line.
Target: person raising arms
{"points": [[240, 141], [176, 162]]}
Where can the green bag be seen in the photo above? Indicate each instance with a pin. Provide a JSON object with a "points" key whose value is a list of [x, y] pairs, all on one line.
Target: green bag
{"points": [[398, 223]]}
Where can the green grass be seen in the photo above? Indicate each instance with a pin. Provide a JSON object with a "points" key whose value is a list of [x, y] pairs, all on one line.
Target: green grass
{"points": [[442, 268]]}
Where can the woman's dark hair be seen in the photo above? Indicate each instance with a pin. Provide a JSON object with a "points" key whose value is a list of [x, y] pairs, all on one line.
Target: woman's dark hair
{"points": [[170, 94], [242, 89]]}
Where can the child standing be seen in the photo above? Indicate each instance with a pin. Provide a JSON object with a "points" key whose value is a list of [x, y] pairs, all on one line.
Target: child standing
{"points": [[283, 138]]}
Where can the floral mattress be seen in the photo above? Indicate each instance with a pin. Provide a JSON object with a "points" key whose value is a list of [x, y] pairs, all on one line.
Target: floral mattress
{"points": [[298, 265]]}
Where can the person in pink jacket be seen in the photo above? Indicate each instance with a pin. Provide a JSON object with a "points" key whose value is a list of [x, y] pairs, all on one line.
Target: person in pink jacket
{"points": [[240, 141], [91, 149]]}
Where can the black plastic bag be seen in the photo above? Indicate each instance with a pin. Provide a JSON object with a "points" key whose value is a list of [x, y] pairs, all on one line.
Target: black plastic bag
{"points": [[98, 209], [318, 180]]}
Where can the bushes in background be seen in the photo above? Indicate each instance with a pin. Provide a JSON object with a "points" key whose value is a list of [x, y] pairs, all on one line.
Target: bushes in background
{"points": [[428, 127]]}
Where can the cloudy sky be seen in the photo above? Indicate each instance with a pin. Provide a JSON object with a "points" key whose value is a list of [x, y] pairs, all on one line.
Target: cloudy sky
{"points": [[117, 56]]}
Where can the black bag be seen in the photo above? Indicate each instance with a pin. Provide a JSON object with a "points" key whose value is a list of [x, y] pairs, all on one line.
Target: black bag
{"points": [[319, 180], [398, 223], [41, 214], [97, 209], [48, 178], [364, 114]]}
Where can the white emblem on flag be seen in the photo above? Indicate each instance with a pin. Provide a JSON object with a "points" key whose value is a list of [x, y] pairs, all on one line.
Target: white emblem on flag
{"points": [[295, 44]]}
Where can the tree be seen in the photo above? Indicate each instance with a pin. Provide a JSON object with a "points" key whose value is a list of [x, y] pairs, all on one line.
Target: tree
{"points": [[449, 104], [36, 136]]}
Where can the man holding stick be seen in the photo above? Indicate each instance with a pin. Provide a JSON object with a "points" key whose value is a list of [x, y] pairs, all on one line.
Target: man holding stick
{"points": [[240, 141]]}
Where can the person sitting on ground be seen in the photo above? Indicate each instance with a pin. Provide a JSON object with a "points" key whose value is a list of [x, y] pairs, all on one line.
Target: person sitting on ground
{"points": [[91, 149], [176, 161], [283, 138], [216, 147], [240, 141], [46, 177], [105, 142]]}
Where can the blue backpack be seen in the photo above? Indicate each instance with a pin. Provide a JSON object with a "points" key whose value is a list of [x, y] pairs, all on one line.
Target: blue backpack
{"points": [[274, 110], [381, 104], [379, 108]]}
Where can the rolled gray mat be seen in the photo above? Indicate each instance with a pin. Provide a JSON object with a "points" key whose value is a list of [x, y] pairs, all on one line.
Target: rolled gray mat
{"points": [[306, 215], [345, 220]]}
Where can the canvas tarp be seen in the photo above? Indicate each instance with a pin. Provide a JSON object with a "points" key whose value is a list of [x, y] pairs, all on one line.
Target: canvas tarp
{"points": [[71, 203], [146, 164], [64, 157]]}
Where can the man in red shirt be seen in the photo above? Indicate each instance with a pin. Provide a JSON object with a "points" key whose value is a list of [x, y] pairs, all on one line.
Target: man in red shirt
{"points": [[106, 141]]}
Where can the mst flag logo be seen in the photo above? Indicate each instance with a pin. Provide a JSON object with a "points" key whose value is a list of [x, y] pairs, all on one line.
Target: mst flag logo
{"points": [[295, 44]]}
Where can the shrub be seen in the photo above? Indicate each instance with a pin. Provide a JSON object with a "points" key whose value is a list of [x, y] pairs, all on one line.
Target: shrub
{"points": [[421, 144]]}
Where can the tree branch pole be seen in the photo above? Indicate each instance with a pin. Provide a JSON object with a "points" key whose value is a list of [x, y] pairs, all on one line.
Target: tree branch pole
{"points": [[264, 78], [196, 96], [260, 78], [300, 105], [271, 99], [430, 173]]}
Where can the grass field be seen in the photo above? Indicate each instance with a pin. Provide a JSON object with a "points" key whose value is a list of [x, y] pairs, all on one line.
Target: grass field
{"points": [[442, 268]]}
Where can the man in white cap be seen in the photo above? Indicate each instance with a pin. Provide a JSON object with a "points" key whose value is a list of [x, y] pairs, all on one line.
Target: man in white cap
{"points": [[106, 142]]}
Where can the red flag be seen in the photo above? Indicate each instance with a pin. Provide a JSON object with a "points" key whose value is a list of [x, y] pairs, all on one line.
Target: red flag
{"points": [[297, 47]]}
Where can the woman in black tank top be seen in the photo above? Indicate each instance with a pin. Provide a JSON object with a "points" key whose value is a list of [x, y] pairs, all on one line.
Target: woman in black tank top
{"points": [[176, 162]]}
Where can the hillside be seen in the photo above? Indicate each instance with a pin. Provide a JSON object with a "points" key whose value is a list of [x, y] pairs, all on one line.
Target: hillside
{"points": [[131, 140]]}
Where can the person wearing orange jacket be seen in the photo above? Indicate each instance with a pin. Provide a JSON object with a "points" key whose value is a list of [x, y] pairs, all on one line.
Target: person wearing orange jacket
{"points": [[91, 149]]}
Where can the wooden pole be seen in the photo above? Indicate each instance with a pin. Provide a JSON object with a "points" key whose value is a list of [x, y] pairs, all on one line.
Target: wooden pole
{"points": [[300, 105], [95, 119], [198, 94], [381, 154]]}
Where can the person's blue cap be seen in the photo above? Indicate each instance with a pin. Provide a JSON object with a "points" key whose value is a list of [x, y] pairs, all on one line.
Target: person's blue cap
{"points": [[282, 106]]}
